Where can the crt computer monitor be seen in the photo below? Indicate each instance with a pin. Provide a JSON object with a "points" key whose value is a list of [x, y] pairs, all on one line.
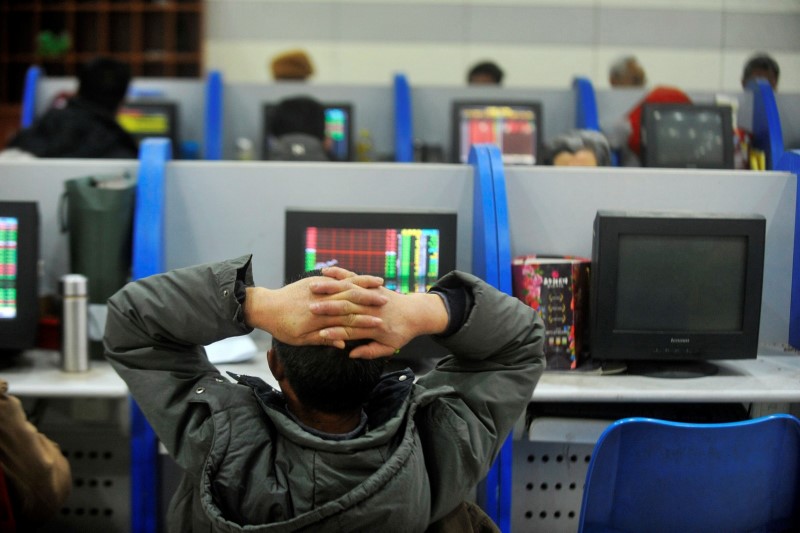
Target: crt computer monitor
{"points": [[150, 119], [410, 250], [669, 288], [687, 136], [514, 127], [338, 130], [19, 256]]}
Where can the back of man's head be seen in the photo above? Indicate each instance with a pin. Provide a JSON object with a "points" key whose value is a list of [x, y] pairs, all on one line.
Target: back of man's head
{"points": [[299, 114], [627, 72], [761, 66], [326, 379], [104, 81], [292, 65], [485, 73]]}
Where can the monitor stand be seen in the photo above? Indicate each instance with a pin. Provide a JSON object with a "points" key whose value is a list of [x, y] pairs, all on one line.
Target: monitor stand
{"points": [[671, 369]]}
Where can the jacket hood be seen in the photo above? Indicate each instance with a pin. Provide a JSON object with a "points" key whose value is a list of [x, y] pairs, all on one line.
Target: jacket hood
{"points": [[385, 410], [389, 464]]}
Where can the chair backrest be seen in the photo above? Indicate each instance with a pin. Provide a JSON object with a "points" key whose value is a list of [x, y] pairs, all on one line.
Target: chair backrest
{"points": [[652, 475]]}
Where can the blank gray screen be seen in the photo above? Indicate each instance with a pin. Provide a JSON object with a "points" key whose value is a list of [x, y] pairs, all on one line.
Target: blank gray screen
{"points": [[680, 283]]}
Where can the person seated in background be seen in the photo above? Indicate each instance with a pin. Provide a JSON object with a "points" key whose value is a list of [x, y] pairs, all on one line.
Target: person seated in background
{"points": [[35, 477], [86, 127], [579, 148], [485, 73], [292, 65], [761, 66], [627, 72], [296, 131], [342, 446]]}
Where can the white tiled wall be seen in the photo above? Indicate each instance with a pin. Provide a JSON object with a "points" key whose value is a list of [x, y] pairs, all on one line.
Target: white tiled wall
{"points": [[693, 44]]}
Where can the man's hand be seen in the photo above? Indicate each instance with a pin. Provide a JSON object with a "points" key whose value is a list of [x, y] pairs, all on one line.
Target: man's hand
{"points": [[286, 313], [404, 317]]}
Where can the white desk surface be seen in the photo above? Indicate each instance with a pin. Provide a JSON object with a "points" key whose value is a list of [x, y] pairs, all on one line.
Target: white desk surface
{"points": [[38, 374], [769, 378]]}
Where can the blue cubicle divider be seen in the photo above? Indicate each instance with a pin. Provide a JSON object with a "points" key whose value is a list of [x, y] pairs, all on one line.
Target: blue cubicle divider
{"points": [[491, 261], [148, 259], [403, 140], [790, 161], [213, 116], [29, 95], [767, 133], [148, 224], [585, 105], [484, 224]]}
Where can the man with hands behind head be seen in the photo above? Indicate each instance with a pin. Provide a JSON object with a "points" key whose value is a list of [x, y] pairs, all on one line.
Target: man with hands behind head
{"points": [[342, 446]]}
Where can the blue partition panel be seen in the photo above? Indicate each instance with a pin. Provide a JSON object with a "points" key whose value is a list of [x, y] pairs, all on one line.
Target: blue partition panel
{"points": [[403, 133], [767, 133], [585, 105], [491, 261], [148, 259], [29, 95], [484, 228], [501, 221], [214, 116], [148, 223], [484, 265], [790, 161], [504, 283]]}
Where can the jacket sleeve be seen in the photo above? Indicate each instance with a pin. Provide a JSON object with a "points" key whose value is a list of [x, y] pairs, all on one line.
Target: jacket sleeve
{"points": [[479, 392], [154, 338], [37, 472]]}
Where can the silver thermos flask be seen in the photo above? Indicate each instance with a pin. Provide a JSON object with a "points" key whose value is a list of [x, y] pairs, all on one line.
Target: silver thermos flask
{"points": [[74, 326]]}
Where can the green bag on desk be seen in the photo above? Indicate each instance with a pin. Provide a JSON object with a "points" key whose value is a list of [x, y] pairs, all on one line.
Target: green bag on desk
{"points": [[97, 211]]}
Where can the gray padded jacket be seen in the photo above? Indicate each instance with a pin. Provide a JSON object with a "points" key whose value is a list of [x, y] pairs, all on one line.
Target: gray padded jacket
{"points": [[249, 467]]}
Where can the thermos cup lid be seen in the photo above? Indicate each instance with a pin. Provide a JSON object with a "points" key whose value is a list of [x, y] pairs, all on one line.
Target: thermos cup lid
{"points": [[73, 285]]}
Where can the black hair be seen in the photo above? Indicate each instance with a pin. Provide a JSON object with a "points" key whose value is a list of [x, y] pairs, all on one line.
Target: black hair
{"points": [[488, 68], [761, 62], [325, 378], [299, 114], [104, 81]]}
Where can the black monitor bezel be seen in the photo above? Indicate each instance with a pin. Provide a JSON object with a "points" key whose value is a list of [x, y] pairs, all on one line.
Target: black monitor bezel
{"points": [[267, 107], [296, 220], [19, 333], [455, 124], [610, 344], [650, 145], [170, 108]]}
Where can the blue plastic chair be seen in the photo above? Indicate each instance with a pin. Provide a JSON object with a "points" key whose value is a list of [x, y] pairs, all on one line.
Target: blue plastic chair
{"points": [[653, 476]]}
